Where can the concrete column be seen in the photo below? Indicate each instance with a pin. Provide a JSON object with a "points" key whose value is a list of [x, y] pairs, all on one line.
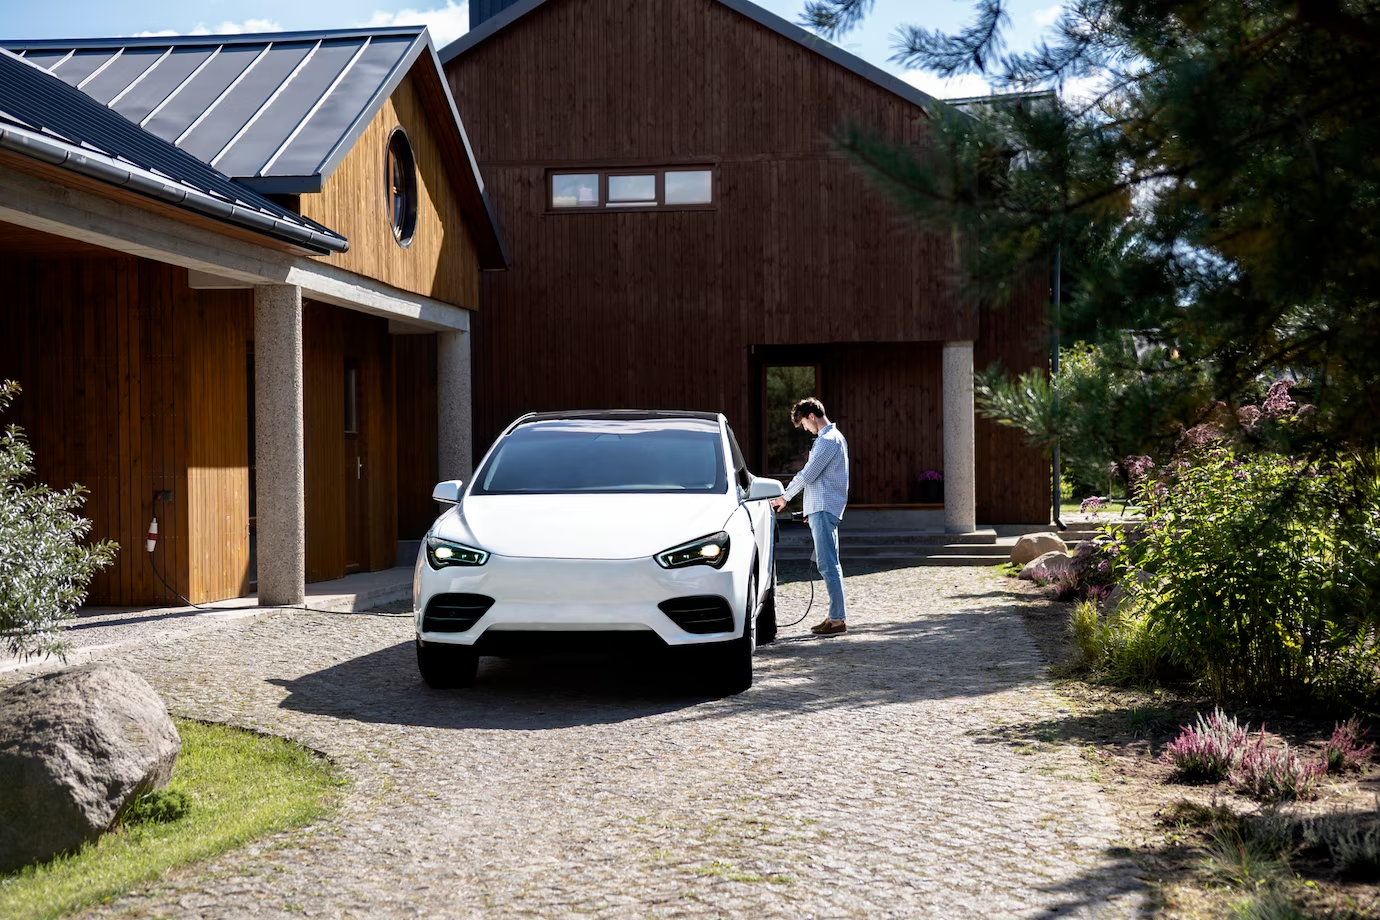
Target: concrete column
{"points": [[960, 451], [279, 445], [454, 421]]}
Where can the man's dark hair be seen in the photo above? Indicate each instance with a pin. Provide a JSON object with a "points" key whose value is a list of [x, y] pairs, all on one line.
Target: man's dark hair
{"points": [[807, 406]]}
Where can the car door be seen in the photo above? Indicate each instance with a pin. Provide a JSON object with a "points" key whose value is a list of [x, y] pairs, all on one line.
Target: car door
{"points": [[759, 513]]}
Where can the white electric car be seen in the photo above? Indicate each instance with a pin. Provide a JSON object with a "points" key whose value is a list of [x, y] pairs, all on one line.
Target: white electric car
{"points": [[601, 530]]}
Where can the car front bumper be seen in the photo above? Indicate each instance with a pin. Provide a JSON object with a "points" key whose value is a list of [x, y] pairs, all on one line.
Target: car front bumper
{"points": [[533, 596]]}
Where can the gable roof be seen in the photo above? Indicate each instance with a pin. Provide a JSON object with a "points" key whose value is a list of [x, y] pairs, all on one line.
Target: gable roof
{"points": [[752, 11], [43, 118], [276, 111]]}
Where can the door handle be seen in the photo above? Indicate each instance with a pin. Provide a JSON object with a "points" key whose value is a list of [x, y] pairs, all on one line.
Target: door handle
{"points": [[359, 468]]}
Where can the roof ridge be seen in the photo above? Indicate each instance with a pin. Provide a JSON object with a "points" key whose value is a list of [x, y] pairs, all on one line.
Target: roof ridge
{"points": [[226, 38]]}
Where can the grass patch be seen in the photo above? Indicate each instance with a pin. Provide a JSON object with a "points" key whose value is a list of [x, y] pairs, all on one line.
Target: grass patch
{"points": [[239, 786], [1009, 569]]}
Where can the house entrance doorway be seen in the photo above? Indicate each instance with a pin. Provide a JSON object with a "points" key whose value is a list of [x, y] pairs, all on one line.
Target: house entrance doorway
{"points": [[785, 448], [354, 470]]}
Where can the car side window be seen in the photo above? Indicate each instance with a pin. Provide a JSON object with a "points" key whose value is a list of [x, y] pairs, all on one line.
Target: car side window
{"points": [[739, 464]]}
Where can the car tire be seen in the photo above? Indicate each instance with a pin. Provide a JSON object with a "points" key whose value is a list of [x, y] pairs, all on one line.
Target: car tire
{"points": [[447, 667], [766, 620], [732, 667]]}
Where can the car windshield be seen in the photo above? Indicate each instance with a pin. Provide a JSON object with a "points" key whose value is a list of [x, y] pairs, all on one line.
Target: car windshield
{"points": [[591, 455]]}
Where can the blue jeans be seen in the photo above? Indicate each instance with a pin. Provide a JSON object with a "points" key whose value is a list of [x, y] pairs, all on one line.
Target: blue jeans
{"points": [[824, 527]]}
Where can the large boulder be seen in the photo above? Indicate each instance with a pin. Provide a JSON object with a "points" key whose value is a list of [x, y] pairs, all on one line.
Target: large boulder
{"points": [[1047, 567], [76, 747], [1033, 545]]}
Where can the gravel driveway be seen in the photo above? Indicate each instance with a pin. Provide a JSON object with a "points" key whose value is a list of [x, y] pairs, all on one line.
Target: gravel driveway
{"points": [[860, 777]]}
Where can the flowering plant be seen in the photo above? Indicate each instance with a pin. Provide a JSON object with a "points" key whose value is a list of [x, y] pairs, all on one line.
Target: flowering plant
{"points": [[929, 476]]}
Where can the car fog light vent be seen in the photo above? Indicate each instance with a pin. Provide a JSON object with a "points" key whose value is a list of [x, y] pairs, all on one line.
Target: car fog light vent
{"points": [[455, 612], [699, 614]]}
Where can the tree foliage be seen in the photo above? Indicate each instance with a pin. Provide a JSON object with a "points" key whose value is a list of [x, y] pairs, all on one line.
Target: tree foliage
{"points": [[44, 567], [1220, 197]]}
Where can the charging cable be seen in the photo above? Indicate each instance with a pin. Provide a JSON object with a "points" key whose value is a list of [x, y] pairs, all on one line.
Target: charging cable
{"points": [[799, 516]]}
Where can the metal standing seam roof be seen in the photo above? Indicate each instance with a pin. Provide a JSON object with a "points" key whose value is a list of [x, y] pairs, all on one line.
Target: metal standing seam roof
{"points": [[43, 118], [277, 112], [752, 11]]}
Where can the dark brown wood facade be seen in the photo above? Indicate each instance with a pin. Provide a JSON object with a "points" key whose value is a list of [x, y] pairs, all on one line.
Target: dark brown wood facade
{"points": [[134, 383], [798, 256]]}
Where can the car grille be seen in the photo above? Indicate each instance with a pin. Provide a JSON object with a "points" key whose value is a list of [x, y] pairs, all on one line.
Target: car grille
{"points": [[703, 614], [455, 612]]}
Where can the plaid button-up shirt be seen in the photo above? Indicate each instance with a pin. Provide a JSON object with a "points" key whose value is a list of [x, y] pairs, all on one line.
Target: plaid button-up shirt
{"points": [[825, 476]]}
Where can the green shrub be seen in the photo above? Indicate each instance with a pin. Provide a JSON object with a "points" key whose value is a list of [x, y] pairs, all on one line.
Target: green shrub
{"points": [[157, 806], [1353, 849], [1118, 644], [1260, 572], [44, 568]]}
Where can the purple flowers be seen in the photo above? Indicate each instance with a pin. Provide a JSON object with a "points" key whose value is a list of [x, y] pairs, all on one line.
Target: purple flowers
{"points": [[929, 476], [1273, 774], [1218, 748], [1344, 750], [1208, 752]]}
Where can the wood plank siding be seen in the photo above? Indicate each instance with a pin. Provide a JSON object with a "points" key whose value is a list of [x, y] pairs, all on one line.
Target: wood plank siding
{"points": [[440, 262], [677, 308], [135, 383]]}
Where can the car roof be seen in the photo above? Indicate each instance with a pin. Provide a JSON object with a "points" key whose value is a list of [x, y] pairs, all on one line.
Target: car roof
{"points": [[629, 415]]}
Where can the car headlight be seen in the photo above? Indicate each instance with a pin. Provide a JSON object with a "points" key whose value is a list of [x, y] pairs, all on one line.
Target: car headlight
{"points": [[441, 553], [710, 550]]}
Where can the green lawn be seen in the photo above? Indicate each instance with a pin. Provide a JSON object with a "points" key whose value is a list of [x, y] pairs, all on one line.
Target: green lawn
{"points": [[242, 785]]}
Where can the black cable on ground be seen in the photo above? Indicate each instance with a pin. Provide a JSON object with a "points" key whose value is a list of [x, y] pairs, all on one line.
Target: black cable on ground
{"points": [[807, 608]]}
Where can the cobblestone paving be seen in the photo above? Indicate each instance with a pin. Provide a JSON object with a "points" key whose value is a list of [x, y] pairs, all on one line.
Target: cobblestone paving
{"points": [[858, 778]]}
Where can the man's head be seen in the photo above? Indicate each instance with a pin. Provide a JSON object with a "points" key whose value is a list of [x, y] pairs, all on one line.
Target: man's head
{"points": [[809, 414]]}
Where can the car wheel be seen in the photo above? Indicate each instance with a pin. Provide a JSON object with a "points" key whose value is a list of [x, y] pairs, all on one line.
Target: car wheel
{"points": [[732, 671], [446, 667], [766, 620]]}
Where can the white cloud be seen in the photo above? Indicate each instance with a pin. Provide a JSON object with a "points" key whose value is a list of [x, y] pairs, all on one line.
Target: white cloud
{"points": [[952, 88], [446, 23], [1047, 17], [224, 28]]}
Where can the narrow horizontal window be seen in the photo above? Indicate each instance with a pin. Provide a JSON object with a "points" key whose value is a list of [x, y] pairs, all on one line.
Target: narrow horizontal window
{"points": [[575, 190], [689, 186], [647, 189], [632, 190]]}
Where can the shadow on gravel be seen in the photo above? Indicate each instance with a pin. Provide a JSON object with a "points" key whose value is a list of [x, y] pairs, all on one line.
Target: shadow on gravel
{"points": [[1117, 876], [930, 658]]}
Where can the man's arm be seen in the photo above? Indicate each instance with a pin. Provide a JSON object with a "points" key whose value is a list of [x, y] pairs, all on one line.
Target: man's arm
{"points": [[823, 451]]}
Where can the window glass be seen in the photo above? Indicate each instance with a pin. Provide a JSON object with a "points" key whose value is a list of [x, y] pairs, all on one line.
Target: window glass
{"points": [[603, 456], [402, 188], [580, 190], [690, 187], [632, 190]]}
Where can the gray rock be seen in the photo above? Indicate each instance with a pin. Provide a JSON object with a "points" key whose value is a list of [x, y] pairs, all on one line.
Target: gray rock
{"points": [[76, 747], [1033, 545], [1047, 566]]}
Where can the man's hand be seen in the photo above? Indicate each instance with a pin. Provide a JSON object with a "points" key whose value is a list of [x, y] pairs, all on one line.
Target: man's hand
{"points": [[778, 504]]}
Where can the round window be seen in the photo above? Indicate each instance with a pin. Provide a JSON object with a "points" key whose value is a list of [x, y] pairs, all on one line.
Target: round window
{"points": [[401, 179]]}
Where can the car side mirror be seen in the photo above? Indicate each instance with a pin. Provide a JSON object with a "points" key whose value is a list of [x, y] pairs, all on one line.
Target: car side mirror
{"points": [[763, 490], [448, 491]]}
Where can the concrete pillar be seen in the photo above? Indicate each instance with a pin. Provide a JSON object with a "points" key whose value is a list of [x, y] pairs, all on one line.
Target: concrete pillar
{"points": [[279, 445], [960, 451], [454, 421]]}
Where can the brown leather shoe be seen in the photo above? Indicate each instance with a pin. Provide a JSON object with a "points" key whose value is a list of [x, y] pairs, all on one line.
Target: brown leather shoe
{"points": [[830, 628]]}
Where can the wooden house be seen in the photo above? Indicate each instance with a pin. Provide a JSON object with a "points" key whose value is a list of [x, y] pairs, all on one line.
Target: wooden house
{"points": [[238, 279], [685, 232]]}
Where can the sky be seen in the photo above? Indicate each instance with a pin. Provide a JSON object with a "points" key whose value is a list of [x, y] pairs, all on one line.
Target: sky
{"points": [[448, 20]]}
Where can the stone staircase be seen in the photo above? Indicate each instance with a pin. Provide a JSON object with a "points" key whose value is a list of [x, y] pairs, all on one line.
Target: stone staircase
{"points": [[985, 546]]}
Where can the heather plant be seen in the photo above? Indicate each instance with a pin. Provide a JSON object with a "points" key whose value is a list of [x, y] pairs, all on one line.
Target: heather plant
{"points": [[44, 567], [1262, 572], [1209, 751], [1344, 751], [1275, 773]]}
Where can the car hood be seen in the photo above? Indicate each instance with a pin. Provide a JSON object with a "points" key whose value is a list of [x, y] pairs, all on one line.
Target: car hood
{"points": [[584, 526]]}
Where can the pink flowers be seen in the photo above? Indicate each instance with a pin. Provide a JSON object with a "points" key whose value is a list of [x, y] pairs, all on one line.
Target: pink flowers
{"points": [[1208, 752], [1344, 750]]}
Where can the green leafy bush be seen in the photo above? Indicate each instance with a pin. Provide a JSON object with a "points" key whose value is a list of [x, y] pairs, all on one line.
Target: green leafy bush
{"points": [[44, 568], [158, 806], [1260, 573], [1118, 644]]}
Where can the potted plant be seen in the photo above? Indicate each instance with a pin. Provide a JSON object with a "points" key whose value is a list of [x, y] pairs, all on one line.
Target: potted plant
{"points": [[930, 485]]}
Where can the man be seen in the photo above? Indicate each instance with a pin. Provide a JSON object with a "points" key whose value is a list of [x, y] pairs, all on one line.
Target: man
{"points": [[825, 481]]}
